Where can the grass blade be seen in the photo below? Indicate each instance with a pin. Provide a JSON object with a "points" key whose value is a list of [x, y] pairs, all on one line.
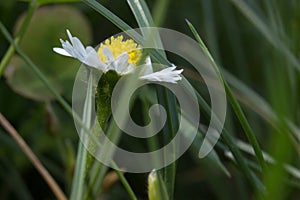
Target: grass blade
{"points": [[144, 19], [266, 31], [229, 141], [238, 110], [165, 98], [81, 160], [32, 157]]}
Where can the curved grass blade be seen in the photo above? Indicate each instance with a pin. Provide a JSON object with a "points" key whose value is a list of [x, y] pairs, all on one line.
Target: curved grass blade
{"points": [[238, 110]]}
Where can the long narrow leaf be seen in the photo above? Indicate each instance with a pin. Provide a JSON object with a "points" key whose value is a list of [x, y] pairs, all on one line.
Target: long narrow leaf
{"points": [[238, 110]]}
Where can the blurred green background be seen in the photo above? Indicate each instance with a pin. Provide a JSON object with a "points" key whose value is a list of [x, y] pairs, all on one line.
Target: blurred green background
{"points": [[255, 42]]}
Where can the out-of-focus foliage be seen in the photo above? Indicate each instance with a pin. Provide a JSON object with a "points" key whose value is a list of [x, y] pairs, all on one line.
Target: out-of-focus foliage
{"points": [[236, 42], [47, 25]]}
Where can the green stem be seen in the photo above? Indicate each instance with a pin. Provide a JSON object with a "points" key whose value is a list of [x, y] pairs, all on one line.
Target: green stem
{"points": [[81, 160], [153, 143], [103, 102], [11, 50], [168, 101], [124, 182]]}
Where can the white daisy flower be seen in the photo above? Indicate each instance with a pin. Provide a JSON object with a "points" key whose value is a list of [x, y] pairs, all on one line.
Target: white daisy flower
{"points": [[118, 55]]}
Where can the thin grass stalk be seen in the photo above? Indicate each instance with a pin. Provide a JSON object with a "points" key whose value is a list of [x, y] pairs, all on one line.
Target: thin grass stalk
{"points": [[42, 77], [237, 109], [229, 141], [144, 19], [81, 160], [45, 81], [11, 50], [33, 158]]}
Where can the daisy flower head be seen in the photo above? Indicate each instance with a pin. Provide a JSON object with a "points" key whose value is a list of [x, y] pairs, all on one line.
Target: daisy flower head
{"points": [[117, 54]]}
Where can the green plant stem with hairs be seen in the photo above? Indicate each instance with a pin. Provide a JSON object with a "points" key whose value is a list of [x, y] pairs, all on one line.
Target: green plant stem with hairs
{"points": [[105, 88]]}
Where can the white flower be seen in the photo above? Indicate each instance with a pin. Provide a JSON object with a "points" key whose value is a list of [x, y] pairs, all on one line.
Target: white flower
{"points": [[118, 55], [168, 74], [76, 49]]}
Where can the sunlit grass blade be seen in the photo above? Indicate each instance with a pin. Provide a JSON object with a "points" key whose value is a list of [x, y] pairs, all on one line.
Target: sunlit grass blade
{"points": [[108, 14], [144, 20], [141, 12]]}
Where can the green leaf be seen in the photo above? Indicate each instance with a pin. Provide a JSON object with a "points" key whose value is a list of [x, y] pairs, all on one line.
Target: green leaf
{"points": [[23, 82], [47, 26]]}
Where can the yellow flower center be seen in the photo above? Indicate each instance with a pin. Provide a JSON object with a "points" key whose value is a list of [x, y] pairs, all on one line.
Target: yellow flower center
{"points": [[118, 46]]}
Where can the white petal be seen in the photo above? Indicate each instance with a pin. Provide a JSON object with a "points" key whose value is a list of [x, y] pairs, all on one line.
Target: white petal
{"points": [[61, 51], [148, 65], [79, 48], [69, 34], [108, 54], [92, 59], [169, 75], [76, 49], [68, 47], [121, 64]]}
